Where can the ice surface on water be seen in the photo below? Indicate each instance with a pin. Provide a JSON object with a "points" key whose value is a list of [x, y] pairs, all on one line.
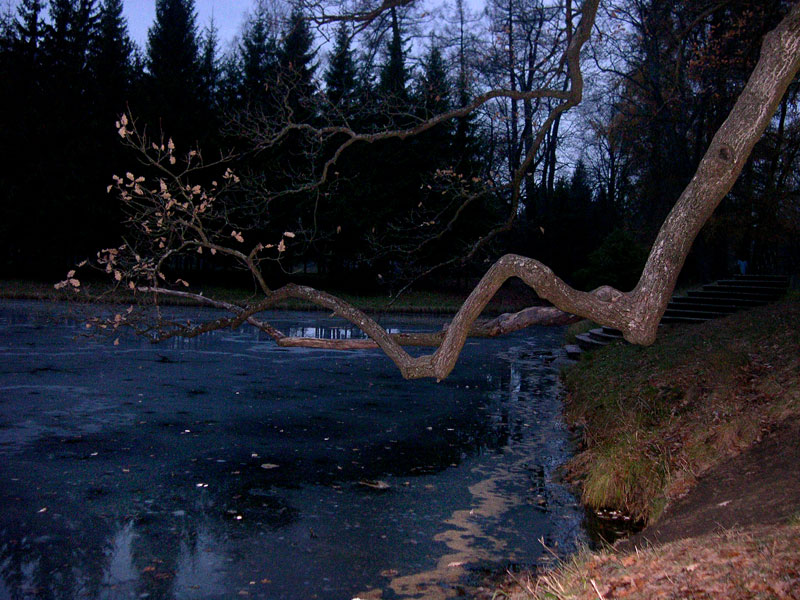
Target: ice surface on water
{"points": [[137, 469]]}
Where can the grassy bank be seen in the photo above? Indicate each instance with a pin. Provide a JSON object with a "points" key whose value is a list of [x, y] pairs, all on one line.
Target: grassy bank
{"points": [[654, 420]]}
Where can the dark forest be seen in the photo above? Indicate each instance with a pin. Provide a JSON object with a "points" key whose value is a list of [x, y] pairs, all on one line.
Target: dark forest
{"points": [[660, 81]]}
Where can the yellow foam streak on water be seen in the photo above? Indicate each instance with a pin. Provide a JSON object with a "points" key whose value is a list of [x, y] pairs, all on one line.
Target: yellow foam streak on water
{"points": [[489, 503]]}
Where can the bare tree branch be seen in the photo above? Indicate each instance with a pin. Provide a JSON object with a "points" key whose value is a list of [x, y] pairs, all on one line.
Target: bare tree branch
{"points": [[175, 215]]}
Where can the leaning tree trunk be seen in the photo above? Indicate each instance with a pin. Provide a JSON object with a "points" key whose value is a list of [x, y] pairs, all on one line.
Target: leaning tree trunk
{"points": [[636, 313]]}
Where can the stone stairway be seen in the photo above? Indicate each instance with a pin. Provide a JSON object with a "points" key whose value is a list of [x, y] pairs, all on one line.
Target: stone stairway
{"points": [[713, 300], [595, 338], [724, 297]]}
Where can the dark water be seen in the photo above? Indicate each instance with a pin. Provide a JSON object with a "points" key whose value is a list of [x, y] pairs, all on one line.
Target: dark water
{"points": [[225, 466]]}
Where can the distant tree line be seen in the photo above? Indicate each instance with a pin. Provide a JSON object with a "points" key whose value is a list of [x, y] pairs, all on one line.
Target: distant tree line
{"points": [[590, 201], [663, 84]]}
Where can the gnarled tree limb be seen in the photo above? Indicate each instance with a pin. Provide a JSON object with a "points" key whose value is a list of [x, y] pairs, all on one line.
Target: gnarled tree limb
{"points": [[636, 313]]}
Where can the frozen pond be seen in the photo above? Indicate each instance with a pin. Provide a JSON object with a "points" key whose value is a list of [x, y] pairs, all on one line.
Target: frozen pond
{"points": [[224, 466]]}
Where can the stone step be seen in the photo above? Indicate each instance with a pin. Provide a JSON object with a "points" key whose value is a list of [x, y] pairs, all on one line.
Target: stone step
{"points": [[587, 342], [672, 320], [769, 293], [713, 301], [763, 278], [732, 297], [601, 336], [611, 331], [696, 304], [724, 297], [694, 314], [754, 284]]}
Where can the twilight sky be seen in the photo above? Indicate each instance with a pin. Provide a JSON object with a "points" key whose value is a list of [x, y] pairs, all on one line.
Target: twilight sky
{"points": [[228, 16]]}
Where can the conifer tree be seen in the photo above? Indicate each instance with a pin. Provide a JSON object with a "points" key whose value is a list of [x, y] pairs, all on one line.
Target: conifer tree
{"points": [[258, 50], [174, 69], [112, 57], [434, 87], [432, 98], [112, 70], [29, 27], [69, 39], [295, 61], [230, 87], [465, 138], [209, 66], [340, 77], [6, 26], [393, 75]]}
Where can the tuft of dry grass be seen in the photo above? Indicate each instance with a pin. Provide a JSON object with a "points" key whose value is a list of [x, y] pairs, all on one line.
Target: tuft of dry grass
{"points": [[655, 418], [760, 562]]}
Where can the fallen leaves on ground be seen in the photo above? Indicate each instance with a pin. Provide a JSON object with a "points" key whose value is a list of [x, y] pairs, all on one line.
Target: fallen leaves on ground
{"points": [[760, 562]]}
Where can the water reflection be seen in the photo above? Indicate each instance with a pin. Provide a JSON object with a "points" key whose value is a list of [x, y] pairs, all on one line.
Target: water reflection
{"points": [[332, 332], [227, 466]]}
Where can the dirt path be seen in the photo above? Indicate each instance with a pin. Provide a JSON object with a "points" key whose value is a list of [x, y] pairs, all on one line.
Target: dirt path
{"points": [[761, 486]]}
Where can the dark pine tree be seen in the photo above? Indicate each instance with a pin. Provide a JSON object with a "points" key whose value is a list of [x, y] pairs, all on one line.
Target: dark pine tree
{"points": [[296, 68], [112, 69], [68, 44], [259, 61], [112, 66], [21, 127], [229, 89], [433, 147], [466, 142], [173, 63], [393, 79], [340, 77], [72, 152], [50, 149], [434, 87], [210, 71], [28, 30]]}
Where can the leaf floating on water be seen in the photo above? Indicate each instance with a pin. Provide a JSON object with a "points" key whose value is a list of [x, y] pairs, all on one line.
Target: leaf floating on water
{"points": [[269, 466], [375, 484]]}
